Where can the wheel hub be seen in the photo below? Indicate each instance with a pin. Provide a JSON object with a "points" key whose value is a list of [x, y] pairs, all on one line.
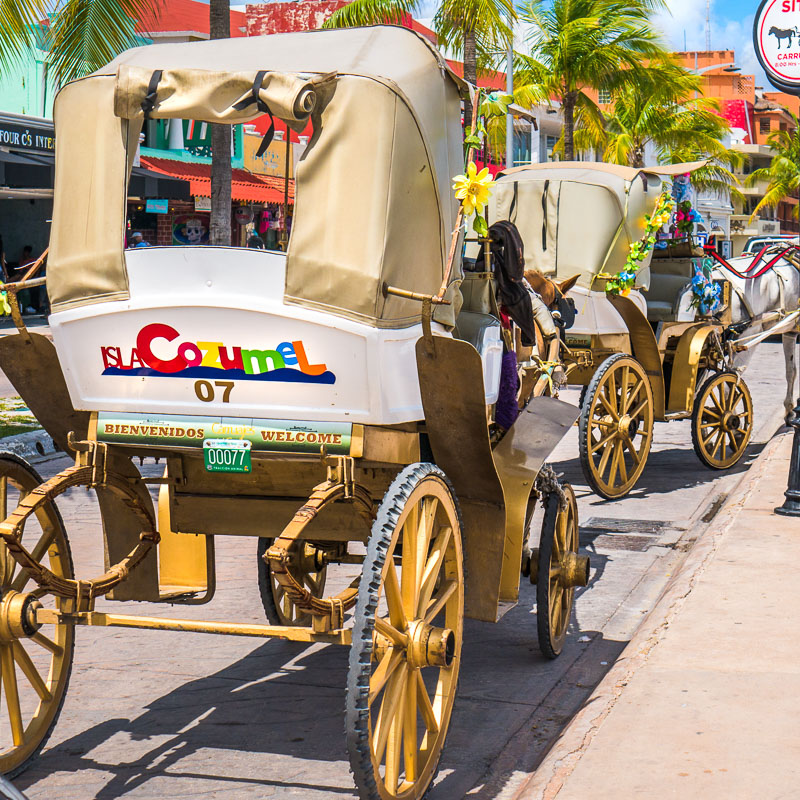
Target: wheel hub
{"points": [[573, 570], [627, 426], [731, 421], [429, 646], [18, 616]]}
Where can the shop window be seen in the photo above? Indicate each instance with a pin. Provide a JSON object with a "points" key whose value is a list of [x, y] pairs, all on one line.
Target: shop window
{"points": [[764, 125], [604, 97]]}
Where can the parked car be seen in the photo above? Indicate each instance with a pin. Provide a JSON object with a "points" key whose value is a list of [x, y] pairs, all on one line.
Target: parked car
{"points": [[755, 243]]}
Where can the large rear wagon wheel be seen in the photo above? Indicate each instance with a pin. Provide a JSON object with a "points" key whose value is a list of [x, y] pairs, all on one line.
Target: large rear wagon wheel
{"points": [[407, 634], [35, 664], [616, 426], [722, 420]]}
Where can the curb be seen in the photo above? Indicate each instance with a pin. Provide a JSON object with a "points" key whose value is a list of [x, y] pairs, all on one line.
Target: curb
{"points": [[33, 446], [556, 767]]}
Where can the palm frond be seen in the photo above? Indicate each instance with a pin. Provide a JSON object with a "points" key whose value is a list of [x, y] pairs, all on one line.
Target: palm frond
{"points": [[371, 12]]}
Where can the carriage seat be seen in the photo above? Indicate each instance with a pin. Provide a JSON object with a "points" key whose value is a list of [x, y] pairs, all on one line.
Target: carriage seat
{"points": [[668, 277], [480, 330]]}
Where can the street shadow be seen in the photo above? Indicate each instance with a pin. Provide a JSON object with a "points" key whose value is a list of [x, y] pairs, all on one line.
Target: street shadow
{"points": [[282, 701], [666, 471]]}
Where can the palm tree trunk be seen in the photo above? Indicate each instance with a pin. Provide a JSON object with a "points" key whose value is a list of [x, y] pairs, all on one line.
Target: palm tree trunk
{"points": [[568, 107], [220, 229], [470, 71], [637, 155]]}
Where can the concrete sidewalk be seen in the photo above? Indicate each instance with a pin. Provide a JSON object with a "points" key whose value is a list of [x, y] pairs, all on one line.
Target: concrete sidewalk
{"points": [[705, 700]]}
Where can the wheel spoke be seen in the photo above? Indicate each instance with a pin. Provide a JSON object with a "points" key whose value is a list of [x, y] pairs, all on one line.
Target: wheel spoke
{"points": [[594, 447], [410, 726], [445, 590], [637, 459], [29, 671], [395, 740], [48, 644], [37, 554], [632, 395], [385, 669], [609, 448], [394, 600], [11, 692], [411, 557], [433, 568], [638, 410], [384, 628], [720, 405], [614, 463], [609, 407], [387, 712], [718, 443], [425, 707], [623, 469]]}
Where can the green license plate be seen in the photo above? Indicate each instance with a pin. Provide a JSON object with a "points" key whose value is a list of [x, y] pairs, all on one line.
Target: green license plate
{"points": [[227, 455]]}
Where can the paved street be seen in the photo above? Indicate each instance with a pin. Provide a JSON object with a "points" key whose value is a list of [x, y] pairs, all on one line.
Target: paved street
{"points": [[157, 714]]}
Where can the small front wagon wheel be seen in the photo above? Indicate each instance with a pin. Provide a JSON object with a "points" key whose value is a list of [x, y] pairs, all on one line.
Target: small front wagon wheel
{"points": [[279, 607], [407, 635], [35, 663], [722, 420], [559, 569]]}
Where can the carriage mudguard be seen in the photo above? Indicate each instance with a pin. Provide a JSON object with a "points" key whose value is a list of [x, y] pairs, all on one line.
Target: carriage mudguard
{"points": [[645, 348], [493, 487], [30, 362], [685, 367]]}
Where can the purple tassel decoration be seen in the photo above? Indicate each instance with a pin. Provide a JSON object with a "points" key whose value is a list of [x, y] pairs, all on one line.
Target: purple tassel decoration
{"points": [[506, 410]]}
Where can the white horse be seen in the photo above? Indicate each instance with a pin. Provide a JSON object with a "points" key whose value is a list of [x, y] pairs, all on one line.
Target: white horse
{"points": [[761, 304]]}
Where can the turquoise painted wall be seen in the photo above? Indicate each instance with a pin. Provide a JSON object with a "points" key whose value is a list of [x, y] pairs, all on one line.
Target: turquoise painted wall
{"points": [[23, 89]]}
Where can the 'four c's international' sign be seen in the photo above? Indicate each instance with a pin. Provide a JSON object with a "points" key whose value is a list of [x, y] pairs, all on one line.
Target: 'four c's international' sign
{"points": [[776, 38]]}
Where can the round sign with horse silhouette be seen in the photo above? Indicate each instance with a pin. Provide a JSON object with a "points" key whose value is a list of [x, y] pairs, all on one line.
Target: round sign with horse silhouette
{"points": [[777, 42]]}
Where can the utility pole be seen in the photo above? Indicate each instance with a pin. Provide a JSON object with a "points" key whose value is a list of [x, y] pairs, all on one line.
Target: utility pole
{"points": [[510, 90]]}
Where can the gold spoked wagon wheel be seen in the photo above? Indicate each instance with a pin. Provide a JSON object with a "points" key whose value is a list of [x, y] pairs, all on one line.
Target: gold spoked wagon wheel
{"points": [[559, 569], [307, 569], [407, 635], [35, 664], [616, 426], [722, 420]]}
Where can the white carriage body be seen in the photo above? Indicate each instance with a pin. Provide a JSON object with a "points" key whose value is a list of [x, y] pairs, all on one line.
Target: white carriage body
{"points": [[226, 306], [594, 313]]}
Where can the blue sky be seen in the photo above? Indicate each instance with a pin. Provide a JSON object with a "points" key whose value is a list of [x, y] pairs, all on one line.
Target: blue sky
{"points": [[731, 28]]}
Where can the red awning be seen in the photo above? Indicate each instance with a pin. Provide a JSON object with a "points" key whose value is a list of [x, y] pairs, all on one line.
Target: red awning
{"points": [[244, 185]]}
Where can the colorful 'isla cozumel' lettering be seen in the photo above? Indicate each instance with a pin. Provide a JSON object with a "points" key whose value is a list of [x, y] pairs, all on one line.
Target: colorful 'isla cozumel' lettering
{"points": [[287, 362]]}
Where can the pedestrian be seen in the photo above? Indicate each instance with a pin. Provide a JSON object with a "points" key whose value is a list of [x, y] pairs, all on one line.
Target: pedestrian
{"points": [[137, 240], [29, 299]]}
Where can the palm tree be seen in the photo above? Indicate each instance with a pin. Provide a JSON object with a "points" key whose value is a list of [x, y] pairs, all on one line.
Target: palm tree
{"points": [[580, 45], [478, 30], [82, 35], [221, 174], [783, 173]]}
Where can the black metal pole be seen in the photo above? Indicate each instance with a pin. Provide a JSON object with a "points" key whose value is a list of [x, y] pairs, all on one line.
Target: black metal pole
{"points": [[791, 506]]}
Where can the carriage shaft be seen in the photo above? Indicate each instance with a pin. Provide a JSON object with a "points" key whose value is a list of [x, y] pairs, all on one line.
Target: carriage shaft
{"points": [[101, 619]]}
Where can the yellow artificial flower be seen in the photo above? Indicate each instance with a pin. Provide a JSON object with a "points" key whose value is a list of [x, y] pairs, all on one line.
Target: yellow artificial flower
{"points": [[473, 189], [626, 291]]}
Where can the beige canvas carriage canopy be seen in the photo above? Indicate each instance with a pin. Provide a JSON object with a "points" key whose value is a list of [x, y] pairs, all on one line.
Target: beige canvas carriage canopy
{"points": [[374, 200], [579, 217]]}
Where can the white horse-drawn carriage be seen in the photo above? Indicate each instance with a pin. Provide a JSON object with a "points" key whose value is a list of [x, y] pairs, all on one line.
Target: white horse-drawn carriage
{"points": [[649, 355], [319, 400]]}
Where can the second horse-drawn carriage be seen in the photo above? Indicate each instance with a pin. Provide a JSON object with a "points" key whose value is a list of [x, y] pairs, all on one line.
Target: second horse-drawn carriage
{"points": [[334, 401], [638, 362]]}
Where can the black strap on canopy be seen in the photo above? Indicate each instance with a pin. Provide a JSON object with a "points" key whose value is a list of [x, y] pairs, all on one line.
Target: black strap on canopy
{"points": [[255, 97], [149, 102]]}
